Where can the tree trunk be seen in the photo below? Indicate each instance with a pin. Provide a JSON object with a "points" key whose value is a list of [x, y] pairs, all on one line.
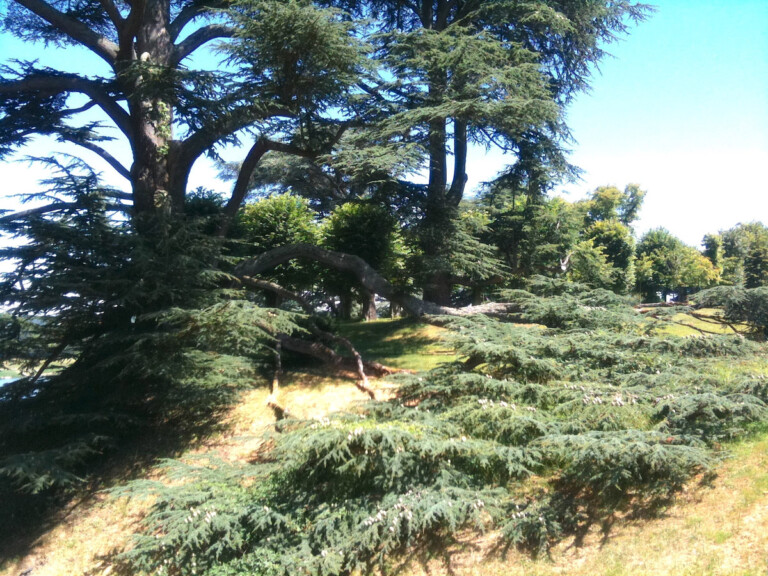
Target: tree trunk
{"points": [[437, 288], [369, 305], [152, 117], [345, 305]]}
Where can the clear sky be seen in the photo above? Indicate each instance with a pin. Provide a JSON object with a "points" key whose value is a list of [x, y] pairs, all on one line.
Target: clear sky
{"points": [[680, 108]]}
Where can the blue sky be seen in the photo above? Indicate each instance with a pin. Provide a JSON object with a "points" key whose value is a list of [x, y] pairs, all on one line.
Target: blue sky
{"points": [[680, 108]]}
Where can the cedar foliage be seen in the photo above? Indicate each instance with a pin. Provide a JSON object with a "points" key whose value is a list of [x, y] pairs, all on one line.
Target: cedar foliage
{"points": [[539, 432], [150, 331]]}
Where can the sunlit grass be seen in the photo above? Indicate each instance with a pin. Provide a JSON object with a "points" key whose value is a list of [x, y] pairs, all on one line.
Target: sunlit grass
{"points": [[686, 325], [400, 343]]}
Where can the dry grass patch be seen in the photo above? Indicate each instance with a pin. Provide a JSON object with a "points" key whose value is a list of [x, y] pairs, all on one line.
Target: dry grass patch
{"points": [[93, 527]]}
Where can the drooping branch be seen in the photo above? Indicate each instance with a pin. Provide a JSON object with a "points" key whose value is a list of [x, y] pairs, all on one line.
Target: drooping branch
{"points": [[79, 32], [323, 353], [98, 150], [279, 290], [368, 277], [326, 355], [354, 265], [61, 83], [362, 380], [198, 38]]}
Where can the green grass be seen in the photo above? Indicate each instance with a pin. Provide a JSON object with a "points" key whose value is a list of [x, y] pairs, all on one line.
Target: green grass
{"points": [[687, 325], [400, 343], [9, 371]]}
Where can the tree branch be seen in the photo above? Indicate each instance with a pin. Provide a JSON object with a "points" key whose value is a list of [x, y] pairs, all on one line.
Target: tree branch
{"points": [[252, 159], [71, 83], [280, 291], [369, 278], [53, 207], [189, 13], [240, 188], [99, 151], [321, 352], [198, 38], [79, 32], [113, 13]]}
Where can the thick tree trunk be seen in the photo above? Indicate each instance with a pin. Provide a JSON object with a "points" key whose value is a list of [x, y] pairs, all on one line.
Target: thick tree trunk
{"points": [[437, 288], [152, 117]]}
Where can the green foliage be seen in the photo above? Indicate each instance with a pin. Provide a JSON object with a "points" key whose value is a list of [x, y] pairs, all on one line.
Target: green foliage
{"points": [[153, 335], [533, 235], [667, 265], [276, 221], [743, 252], [365, 230], [747, 305], [537, 432], [294, 53], [618, 246], [610, 203], [589, 265], [369, 231]]}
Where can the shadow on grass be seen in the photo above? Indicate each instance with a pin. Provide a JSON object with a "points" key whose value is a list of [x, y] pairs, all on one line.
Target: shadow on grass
{"points": [[67, 446], [403, 343]]}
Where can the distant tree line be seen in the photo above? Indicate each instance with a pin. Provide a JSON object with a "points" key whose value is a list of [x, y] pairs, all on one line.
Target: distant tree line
{"points": [[502, 238]]}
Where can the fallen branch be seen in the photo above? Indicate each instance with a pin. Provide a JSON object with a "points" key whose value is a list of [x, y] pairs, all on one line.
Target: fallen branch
{"points": [[661, 305], [327, 356], [362, 382]]}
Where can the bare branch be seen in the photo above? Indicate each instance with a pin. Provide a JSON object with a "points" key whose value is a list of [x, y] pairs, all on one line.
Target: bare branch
{"points": [[355, 265], [98, 150], [189, 13], [198, 38], [368, 278], [113, 13], [79, 32]]}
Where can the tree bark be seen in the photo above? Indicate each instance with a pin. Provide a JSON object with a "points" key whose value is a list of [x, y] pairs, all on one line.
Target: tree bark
{"points": [[369, 305], [328, 356]]}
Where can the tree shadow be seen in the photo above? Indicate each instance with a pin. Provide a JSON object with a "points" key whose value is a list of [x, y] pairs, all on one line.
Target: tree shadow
{"points": [[124, 444]]}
